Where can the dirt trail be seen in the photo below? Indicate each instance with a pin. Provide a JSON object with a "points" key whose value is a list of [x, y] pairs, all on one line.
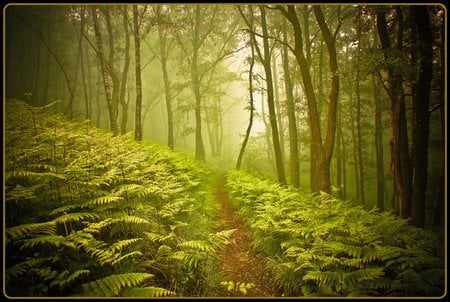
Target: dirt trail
{"points": [[239, 261]]}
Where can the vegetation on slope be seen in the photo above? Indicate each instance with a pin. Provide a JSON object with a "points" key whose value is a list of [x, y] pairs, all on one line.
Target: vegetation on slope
{"points": [[317, 245], [89, 214]]}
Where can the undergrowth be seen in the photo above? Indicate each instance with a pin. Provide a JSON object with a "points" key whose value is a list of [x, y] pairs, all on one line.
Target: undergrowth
{"points": [[92, 215], [317, 245]]}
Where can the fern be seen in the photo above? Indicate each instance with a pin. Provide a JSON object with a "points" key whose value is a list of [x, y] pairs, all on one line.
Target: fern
{"points": [[13, 233], [102, 200], [21, 268], [76, 217], [113, 285], [151, 292]]}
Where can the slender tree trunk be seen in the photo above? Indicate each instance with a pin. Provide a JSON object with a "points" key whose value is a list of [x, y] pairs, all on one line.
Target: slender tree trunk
{"points": [[278, 109], [290, 106], [379, 147], [83, 74], [251, 109], [199, 146], [126, 65], [338, 154], [104, 70], [137, 56], [361, 195], [162, 46], [355, 148], [265, 58]]}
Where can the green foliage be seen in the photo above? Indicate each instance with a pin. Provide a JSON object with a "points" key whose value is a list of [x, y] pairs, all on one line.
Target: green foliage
{"points": [[320, 246], [113, 285], [88, 214]]}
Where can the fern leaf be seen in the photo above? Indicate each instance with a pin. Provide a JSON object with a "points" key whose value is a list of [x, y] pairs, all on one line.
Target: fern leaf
{"points": [[112, 285], [151, 291], [52, 240], [76, 217], [119, 245], [130, 219], [131, 254], [63, 209], [102, 200], [19, 269], [127, 188], [197, 245], [31, 228]]}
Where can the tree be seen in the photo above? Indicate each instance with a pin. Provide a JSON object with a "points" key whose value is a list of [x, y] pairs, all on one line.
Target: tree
{"points": [[137, 56], [264, 57], [290, 106], [421, 121], [112, 110], [322, 148], [252, 107]]}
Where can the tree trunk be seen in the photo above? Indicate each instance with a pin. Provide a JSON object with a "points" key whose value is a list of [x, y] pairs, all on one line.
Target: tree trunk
{"points": [[379, 147], [278, 110], [323, 150], [421, 121], [162, 46], [104, 71], [401, 164], [137, 56], [265, 58], [199, 147], [361, 196], [123, 86], [290, 106], [251, 109]]}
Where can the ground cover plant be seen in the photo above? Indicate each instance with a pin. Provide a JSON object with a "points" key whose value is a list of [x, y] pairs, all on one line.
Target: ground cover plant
{"points": [[317, 245], [91, 214]]}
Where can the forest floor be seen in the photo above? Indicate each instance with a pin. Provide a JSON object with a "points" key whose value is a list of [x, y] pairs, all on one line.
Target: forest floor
{"points": [[239, 261]]}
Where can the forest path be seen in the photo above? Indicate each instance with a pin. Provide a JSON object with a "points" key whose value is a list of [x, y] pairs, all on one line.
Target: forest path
{"points": [[239, 262]]}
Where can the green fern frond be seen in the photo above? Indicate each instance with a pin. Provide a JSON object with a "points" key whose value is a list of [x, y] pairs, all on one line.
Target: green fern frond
{"points": [[322, 278], [76, 217], [220, 239], [44, 273], [19, 269], [355, 277], [107, 199], [151, 292], [51, 240], [120, 259], [127, 188], [31, 228], [123, 218], [190, 259], [119, 245], [113, 285], [64, 209], [197, 245]]}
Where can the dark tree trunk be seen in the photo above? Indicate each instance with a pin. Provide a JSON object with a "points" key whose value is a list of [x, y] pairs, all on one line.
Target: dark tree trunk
{"points": [[401, 163], [421, 121]]}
